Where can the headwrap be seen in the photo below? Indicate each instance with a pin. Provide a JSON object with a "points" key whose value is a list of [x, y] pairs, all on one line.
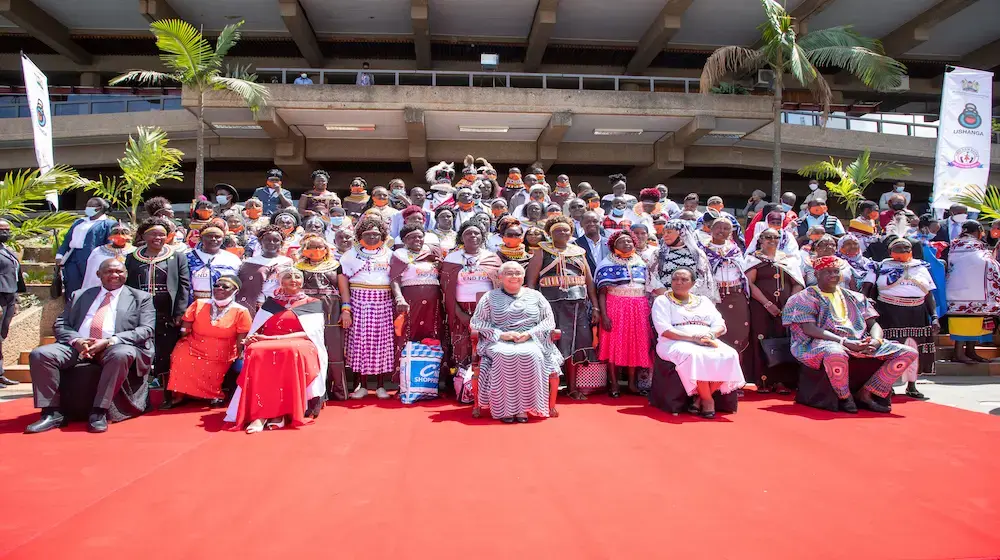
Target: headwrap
{"points": [[230, 277], [899, 241], [820, 263], [678, 225], [514, 180], [411, 210], [650, 193]]}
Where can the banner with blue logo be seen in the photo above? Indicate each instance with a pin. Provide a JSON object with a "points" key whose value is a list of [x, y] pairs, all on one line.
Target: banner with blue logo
{"points": [[36, 86], [962, 158], [419, 372]]}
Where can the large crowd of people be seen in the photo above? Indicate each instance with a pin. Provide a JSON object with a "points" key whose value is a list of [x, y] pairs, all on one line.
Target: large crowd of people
{"points": [[273, 307]]}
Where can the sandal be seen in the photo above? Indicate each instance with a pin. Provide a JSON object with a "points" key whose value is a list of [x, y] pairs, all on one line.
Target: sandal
{"points": [[782, 390], [507, 420], [695, 406], [553, 413], [577, 395], [256, 426], [521, 419], [275, 424], [614, 394], [476, 412], [762, 390]]}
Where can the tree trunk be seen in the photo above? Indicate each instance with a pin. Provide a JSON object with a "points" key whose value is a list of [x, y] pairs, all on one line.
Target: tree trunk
{"points": [[199, 166], [776, 164]]}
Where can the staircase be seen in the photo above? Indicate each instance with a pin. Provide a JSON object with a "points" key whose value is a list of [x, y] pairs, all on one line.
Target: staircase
{"points": [[21, 371], [946, 350]]}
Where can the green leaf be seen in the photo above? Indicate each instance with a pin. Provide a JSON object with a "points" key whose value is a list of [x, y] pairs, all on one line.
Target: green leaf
{"points": [[184, 49], [143, 77], [849, 183], [23, 191], [227, 39], [987, 202], [253, 94]]}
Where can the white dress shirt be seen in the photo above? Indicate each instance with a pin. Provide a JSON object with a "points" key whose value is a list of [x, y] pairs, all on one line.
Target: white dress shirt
{"points": [[108, 328], [598, 248], [79, 234]]}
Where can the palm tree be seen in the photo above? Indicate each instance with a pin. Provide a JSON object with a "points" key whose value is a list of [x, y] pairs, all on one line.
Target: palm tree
{"points": [[849, 183], [193, 63], [148, 160], [22, 194], [802, 57]]}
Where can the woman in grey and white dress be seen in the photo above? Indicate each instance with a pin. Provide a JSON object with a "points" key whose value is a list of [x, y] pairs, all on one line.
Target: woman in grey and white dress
{"points": [[518, 357]]}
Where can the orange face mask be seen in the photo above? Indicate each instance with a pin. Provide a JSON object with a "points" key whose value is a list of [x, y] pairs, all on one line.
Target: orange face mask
{"points": [[357, 189], [465, 206], [512, 242], [497, 212], [380, 202], [873, 215], [254, 213], [553, 214], [314, 254], [236, 229], [623, 254], [659, 228], [204, 213], [371, 246], [170, 238], [562, 184], [593, 203], [470, 178], [902, 257], [119, 240], [717, 207], [288, 230], [815, 238], [238, 251], [818, 210]]}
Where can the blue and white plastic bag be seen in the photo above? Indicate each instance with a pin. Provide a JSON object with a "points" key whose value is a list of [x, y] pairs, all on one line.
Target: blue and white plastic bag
{"points": [[419, 372]]}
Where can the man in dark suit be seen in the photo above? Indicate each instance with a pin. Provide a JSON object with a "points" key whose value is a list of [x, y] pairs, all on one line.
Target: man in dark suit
{"points": [[951, 228], [592, 240], [11, 283], [112, 326]]}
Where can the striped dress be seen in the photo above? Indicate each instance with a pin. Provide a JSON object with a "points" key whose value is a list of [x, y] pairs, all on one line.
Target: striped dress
{"points": [[514, 376]]}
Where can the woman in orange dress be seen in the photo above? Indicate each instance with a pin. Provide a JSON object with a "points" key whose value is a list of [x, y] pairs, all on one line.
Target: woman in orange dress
{"points": [[285, 361], [212, 340]]}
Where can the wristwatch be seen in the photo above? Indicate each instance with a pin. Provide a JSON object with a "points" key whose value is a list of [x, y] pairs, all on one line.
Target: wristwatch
{"points": [[113, 340]]}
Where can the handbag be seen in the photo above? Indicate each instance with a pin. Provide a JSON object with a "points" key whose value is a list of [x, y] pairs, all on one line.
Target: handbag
{"points": [[777, 351], [56, 289], [592, 377]]}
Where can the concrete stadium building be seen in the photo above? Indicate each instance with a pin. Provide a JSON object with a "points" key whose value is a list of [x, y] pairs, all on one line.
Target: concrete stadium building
{"points": [[582, 87]]}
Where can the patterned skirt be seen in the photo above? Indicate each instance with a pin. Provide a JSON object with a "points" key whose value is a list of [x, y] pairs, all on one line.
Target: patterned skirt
{"points": [[370, 342], [627, 344], [910, 326], [576, 340]]}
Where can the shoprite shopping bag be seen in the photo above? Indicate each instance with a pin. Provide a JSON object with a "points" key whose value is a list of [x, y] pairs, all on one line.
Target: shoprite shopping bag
{"points": [[419, 372]]}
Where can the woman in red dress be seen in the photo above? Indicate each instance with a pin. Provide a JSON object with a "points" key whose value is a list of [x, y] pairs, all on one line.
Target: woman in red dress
{"points": [[284, 365]]}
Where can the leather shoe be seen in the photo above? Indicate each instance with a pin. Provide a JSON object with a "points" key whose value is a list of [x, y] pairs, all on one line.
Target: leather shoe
{"points": [[6, 381], [45, 423], [865, 399], [97, 423], [847, 405], [217, 403]]}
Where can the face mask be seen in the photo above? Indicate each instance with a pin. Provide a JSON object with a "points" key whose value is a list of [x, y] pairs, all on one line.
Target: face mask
{"points": [[786, 207], [815, 238], [118, 240], [222, 199], [959, 218], [90, 211], [170, 238], [873, 215], [659, 228], [380, 202], [204, 214], [222, 302], [4, 236], [593, 203], [994, 233], [512, 242], [900, 189], [399, 192], [287, 230], [336, 220], [813, 186], [618, 212], [897, 206], [623, 254], [497, 212], [465, 206], [314, 254], [553, 214], [237, 250], [717, 207], [371, 246], [817, 210], [902, 257], [254, 213], [357, 189]]}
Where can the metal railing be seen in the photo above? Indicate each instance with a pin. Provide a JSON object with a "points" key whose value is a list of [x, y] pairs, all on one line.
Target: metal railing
{"points": [[883, 123], [12, 107], [483, 78]]}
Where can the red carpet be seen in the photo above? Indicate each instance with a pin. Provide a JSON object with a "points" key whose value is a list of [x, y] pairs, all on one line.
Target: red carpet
{"points": [[606, 480]]}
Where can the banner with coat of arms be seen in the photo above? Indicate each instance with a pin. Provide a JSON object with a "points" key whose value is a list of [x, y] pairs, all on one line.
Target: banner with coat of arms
{"points": [[962, 157], [36, 85]]}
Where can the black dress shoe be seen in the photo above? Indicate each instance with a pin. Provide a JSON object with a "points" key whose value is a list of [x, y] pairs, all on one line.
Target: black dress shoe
{"points": [[507, 420], [313, 407], [7, 382], [45, 423], [97, 423], [865, 400], [847, 405]]}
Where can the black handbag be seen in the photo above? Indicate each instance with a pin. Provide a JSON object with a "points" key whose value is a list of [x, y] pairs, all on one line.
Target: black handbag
{"points": [[56, 289], [777, 351]]}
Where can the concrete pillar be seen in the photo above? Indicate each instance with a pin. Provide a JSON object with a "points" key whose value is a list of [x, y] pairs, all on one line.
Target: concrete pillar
{"points": [[91, 79]]}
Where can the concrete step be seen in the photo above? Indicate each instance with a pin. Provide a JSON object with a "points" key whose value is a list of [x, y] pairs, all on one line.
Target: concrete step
{"points": [[18, 372], [38, 254], [23, 358], [988, 352], [955, 369], [47, 340]]}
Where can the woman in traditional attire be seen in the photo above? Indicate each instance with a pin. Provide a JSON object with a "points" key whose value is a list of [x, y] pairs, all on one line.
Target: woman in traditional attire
{"points": [[512, 247], [773, 276], [519, 362], [316, 202], [358, 201], [284, 365], [343, 241], [368, 307], [289, 223], [211, 342], [559, 271], [80, 241], [444, 222], [534, 215], [118, 246], [513, 189], [245, 242], [774, 220], [679, 249], [865, 227], [690, 331], [467, 273], [258, 274], [906, 306], [533, 238], [253, 215], [825, 246], [208, 261], [201, 215], [321, 279], [973, 292], [161, 271], [849, 250], [416, 287], [727, 263], [625, 328]]}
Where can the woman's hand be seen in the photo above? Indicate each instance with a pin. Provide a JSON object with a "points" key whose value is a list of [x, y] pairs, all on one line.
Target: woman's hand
{"points": [[606, 323], [402, 307], [250, 339], [772, 309], [345, 319], [595, 318], [936, 326], [179, 320], [708, 340]]}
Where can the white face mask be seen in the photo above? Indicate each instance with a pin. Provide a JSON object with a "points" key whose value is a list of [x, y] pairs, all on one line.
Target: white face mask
{"points": [[222, 199], [813, 186], [900, 189], [959, 218], [90, 211], [223, 302]]}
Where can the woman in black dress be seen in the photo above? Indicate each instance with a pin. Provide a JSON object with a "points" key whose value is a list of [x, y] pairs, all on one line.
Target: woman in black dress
{"points": [[157, 268]]}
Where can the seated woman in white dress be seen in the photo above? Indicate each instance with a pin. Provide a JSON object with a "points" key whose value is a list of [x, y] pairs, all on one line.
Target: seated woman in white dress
{"points": [[688, 328]]}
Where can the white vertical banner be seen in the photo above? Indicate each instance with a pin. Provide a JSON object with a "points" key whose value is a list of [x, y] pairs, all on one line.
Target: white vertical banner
{"points": [[962, 157]]}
